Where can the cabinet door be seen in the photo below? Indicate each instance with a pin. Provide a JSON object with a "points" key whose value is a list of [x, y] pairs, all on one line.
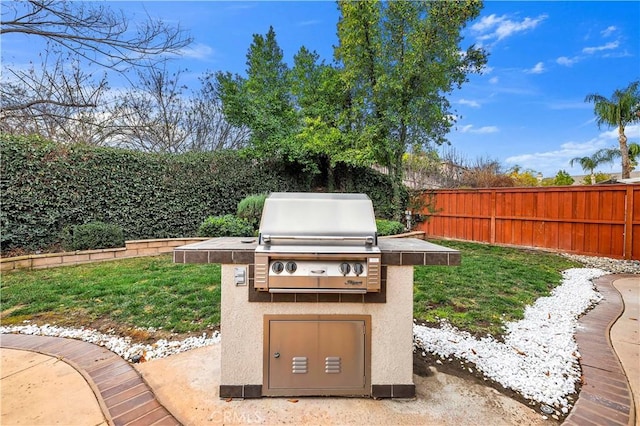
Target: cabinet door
{"points": [[293, 350], [342, 353], [316, 357]]}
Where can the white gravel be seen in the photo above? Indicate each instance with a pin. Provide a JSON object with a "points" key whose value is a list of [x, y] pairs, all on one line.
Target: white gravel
{"points": [[538, 359], [122, 346], [539, 356], [614, 266]]}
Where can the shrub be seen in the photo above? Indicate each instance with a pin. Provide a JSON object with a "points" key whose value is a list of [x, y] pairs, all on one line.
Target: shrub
{"points": [[250, 209], [46, 187], [225, 226], [93, 235], [389, 227]]}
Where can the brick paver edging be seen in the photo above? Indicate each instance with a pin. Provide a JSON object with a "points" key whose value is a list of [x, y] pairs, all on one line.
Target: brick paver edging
{"points": [[605, 397], [125, 399]]}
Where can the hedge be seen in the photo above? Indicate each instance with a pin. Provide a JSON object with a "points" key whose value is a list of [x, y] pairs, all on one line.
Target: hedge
{"points": [[93, 235], [46, 187]]}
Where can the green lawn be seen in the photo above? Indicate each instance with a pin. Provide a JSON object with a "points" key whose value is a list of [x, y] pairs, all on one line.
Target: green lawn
{"points": [[143, 292], [492, 285]]}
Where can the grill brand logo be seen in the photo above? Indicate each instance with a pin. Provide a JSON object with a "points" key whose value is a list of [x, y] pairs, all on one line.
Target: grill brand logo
{"points": [[354, 282]]}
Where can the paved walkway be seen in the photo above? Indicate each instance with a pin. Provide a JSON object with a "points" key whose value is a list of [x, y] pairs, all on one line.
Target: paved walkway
{"points": [[125, 399], [606, 397]]}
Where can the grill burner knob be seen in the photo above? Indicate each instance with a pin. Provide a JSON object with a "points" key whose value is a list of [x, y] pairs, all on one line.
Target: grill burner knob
{"points": [[277, 267], [345, 268], [358, 268], [291, 267]]}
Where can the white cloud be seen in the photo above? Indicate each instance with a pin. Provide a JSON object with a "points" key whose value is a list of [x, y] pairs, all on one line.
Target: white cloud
{"points": [[481, 130], [494, 80], [497, 28], [537, 69], [197, 51], [486, 129], [471, 103], [487, 22], [549, 162], [608, 31], [486, 70], [567, 62], [609, 46]]}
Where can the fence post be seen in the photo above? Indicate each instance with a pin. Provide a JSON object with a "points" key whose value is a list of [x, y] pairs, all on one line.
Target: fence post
{"points": [[628, 223], [493, 216]]}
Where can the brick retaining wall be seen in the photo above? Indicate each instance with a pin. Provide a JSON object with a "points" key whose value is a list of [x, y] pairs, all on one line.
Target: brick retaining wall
{"points": [[135, 248]]}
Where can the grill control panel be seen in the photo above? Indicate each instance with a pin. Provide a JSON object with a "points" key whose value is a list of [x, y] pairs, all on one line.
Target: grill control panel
{"points": [[327, 274], [309, 268]]}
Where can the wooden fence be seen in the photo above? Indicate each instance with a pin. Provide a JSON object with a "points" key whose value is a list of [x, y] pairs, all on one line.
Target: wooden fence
{"points": [[599, 220]]}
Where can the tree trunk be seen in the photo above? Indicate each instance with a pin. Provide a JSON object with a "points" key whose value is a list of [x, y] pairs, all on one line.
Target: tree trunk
{"points": [[331, 178], [624, 153], [395, 173]]}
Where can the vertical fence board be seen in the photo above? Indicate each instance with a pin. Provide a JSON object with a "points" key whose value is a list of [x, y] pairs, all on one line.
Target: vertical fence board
{"points": [[597, 220], [632, 223]]}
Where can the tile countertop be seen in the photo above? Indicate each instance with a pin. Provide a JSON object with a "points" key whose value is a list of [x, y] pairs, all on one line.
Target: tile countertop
{"points": [[240, 250]]}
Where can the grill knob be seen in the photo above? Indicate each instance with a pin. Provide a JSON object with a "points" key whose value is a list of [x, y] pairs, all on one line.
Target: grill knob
{"points": [[358, 268], [291, 267], [345, 268], [277, 267]]}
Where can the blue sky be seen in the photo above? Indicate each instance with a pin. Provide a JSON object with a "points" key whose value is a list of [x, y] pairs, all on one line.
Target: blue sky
{"points": [[527, 108]]}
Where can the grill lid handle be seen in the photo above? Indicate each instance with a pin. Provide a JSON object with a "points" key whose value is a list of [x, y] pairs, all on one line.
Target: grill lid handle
{"points": [[368, 240]]}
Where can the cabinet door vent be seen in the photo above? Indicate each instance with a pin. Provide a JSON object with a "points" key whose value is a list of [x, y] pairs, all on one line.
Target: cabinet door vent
{"points": [[332, 365], [299, 365]]}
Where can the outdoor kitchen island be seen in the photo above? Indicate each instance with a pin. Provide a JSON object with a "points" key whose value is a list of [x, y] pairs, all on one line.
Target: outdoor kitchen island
{"points": [[313, 311]]}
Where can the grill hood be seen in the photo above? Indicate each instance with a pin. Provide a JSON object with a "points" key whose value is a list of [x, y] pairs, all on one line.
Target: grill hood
{"points": [[290, 218]]}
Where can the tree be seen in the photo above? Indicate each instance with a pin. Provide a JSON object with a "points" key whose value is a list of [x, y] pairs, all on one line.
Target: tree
{"points": [[526, 177], [320, 100], [152, 117], [160, 116], [81, 32], [400, 61], [633, 152], [563, 178], [60, 104], [597, 178], [316, 87], [95, 32], [590, 164], [210, 130], [261, 101], [421, 168], [485, 173], [621, 110]]}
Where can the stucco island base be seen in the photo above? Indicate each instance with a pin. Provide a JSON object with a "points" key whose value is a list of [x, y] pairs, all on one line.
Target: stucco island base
{"points": [[242, 328]]}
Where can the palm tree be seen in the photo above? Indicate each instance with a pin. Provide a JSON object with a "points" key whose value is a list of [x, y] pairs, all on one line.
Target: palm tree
{"points": [[622, 109], [609, 154], [634, 152], [591, 163]]}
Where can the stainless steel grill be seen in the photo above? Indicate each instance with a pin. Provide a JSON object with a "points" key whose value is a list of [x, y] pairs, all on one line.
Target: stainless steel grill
{"points": [[317, 243]]}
